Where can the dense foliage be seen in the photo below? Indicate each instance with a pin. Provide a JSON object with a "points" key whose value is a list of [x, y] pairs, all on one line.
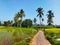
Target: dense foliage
{"points": [[50, 16], [27, 23]]}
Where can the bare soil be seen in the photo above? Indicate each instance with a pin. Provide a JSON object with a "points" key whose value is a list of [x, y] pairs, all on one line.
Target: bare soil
{"points": [[39, 39]]}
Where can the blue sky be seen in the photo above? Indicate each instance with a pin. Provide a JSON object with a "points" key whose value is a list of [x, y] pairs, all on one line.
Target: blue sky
{"points": [[8, 9]]}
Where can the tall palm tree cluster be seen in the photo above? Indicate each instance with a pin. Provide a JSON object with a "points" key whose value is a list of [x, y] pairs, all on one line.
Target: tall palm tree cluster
{"points": [[18, 19], [50, 16]]}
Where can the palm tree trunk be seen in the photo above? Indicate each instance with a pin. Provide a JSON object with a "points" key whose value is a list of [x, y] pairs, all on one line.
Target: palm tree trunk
{"points": [[40, 20], [21, 23], [17, 24]]}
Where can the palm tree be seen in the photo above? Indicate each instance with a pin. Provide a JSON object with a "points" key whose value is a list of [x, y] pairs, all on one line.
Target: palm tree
{"points": [[40, 13], [16, 19], [19, 16], [50, 16]]}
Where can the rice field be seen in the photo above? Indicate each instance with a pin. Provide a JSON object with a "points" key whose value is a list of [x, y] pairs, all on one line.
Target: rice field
{"points": [[22, 36], [17, 35]]}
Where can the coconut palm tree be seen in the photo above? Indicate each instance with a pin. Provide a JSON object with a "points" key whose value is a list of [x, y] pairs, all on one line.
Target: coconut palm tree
{"points": [[50, 16], [19, 16], [16, 19], [40, 14]]}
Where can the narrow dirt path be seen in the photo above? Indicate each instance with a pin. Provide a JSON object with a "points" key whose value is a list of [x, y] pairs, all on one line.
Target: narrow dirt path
{"points": [[39, 39]]}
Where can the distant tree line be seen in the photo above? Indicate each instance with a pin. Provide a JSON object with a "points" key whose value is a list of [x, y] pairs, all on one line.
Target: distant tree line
{"points": [[19, 22]]}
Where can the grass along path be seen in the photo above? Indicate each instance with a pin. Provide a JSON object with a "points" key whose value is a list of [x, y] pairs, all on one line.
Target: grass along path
{"points": [[10, 35]]}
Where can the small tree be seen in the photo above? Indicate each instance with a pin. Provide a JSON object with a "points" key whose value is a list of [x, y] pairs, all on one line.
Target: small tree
{"points": [[27, 23], [42, 21], [50, 16], [8, 23], [35, 21], [0, 23]]}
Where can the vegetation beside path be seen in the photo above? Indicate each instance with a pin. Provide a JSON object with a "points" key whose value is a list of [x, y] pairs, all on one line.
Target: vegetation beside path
{"points": [[22, 36]]}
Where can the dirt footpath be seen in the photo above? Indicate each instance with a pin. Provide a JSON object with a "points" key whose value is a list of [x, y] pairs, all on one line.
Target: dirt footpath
{"points": [[39, 39]]}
